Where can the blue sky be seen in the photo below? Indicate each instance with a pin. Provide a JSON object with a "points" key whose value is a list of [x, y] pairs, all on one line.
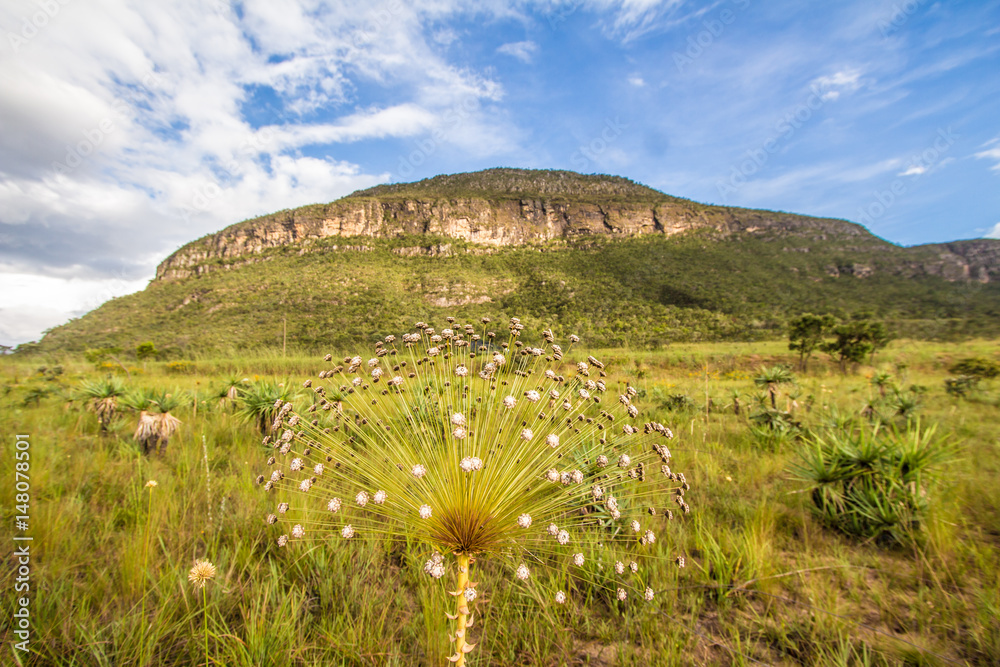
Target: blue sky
{"points": [[132, 128]]}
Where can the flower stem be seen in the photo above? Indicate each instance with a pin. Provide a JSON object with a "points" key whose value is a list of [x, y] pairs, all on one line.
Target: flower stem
{"points": [[145, 574], [204, 614], [461, 608]]}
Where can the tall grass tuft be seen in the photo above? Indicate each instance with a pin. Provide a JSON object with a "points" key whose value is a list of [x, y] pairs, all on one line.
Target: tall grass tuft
{"points": [[478, 449]]}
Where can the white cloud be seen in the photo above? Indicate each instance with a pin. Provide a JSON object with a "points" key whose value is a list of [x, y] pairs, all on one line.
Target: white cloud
{"points": [[915, 170], [523, 51], [838, 83], [636, 80], [993, 233], [992, 152]]}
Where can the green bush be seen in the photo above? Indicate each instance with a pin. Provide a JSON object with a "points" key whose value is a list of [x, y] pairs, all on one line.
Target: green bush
{"points": [[180, 367], [873, 481]]}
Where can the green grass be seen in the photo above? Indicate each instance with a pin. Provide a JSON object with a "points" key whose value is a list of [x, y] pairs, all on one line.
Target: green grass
{"points": [[764, 580]]}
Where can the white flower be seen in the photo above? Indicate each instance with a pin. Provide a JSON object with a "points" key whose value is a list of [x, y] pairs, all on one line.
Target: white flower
{"points": [[471, 463], [648, 595], [632, 391], [509, 402], [550, 374], [582, 367], [635, 526], [619, 567], [622, 594], [333, 505], [282, 508], [432, 351], [650, 537], [524, 521], [305, 485], [553, 394], [425, 511], [361, 499], [419, 471], [597, 491], [532, 395], [372, 363], [552, 475], [379, 497], [298, 531], [560, 598], [458, 419], [522, 572], [396, 381], [574, 339], [459, 433], [499, 359], [436, 338], [470, 594], [348, 532], [282, 540], [376, 373], [318, 469], [553, 529], [634, 567], [577, 477], [602, 461], [296, 464], [527, 434], [356, 382], [461, 371], [578, 560], [584, 394], [563, 537], [552, 440], [633, 411], [624, 460]]}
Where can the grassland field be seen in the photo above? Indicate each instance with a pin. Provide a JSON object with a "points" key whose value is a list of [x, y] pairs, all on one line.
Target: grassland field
{"points": [[765, 580]]}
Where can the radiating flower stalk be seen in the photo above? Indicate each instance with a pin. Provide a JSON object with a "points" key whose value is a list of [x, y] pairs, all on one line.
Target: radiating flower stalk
{"points": [[477, 448]]}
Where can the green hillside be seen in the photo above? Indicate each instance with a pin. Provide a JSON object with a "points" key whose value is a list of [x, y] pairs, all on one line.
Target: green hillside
{"points": [[643, 291]]}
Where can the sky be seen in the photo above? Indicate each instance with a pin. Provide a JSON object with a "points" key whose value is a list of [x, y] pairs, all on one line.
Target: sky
{"points": [[129, 128]]}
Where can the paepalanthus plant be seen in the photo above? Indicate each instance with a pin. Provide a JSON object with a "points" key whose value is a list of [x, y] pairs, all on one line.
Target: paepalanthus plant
{"points": [[476, 448]]}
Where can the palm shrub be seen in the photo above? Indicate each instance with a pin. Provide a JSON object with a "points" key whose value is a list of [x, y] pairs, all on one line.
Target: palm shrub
{"points": [[259, 401], [101, 397], [873, 481], [479, 449], [155, 425], [770, 378]]}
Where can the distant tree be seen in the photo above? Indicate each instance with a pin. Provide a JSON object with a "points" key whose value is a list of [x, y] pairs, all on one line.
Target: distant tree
{"points": [[855, 340], [146, 350], [806, 333]]}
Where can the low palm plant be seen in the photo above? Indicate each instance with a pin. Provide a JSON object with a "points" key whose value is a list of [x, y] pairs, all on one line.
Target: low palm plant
{"points": [[101, 397], [478, 451], [155, 425], [770, 378], [872, 481], [258, 402]]}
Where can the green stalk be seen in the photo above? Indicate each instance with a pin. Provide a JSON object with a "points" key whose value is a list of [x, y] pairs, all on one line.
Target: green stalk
{"points": [[145, 566], [204, 614]]}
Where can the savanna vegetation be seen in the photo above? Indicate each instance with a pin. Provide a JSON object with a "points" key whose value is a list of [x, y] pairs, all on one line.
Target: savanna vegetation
{"points": [[838, 518]]}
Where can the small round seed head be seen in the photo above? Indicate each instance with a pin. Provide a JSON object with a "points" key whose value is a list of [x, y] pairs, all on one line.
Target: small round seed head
{"points": [[622, 594], [347, 532], [602, 461], [578, 560], [577, 476], [680, 561], [379, 497], [648, 595], [633, 411], [619, 567], [305, 485], [419, 471], [524, 520], [271, 519], [282, 508], [151, 483], [552, 475], [552, 440], [282, 540], [361, 499], [334, 505], [318, 469], [650, 537], [458, 419], [298, 531], [634, 567], [470, 594], [509, 402], [522, 572], [424, 511], [553, 529], [459, 433], [624, 460], [584, 394], [461, 371], [634, 525], [560, 597], [527, 434], [563, 537], [532, 395]]}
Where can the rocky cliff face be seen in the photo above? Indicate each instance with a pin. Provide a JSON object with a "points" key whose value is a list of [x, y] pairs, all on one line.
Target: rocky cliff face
{"points": [[503, 207], [491, 223]]}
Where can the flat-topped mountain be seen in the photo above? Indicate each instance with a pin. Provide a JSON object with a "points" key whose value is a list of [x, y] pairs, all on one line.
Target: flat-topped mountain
{"points": [[601, 255]]}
